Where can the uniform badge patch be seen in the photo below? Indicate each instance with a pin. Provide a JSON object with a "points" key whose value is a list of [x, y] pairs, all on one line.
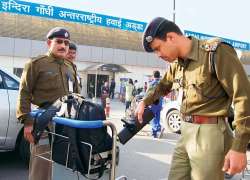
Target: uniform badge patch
{"points": [[66, 35], [149, 39]]}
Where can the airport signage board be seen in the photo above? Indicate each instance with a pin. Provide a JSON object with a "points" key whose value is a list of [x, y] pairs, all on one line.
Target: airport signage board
{"points": [[60, 13], [236, 44]]}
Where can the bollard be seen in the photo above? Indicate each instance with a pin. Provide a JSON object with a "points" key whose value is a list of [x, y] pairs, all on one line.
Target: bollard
{"points": [[107, 108]]}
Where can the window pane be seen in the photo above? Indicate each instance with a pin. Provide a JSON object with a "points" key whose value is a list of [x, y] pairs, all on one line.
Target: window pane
{"points": [[10, 83]]}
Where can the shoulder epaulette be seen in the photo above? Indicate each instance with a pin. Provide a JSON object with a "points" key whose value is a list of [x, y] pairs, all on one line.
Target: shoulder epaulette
{"points": [[33, 59], [211, 44], [69, 63]]}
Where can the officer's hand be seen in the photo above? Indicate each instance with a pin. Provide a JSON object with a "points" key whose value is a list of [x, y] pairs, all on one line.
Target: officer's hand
{"points": [[235, 162], [139, 111], [27, 133]]}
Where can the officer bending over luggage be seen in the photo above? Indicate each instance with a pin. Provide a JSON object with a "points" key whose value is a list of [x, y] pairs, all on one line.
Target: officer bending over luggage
{"points": [[206, 147]]}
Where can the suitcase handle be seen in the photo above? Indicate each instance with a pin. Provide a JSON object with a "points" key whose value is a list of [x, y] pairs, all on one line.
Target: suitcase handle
{"points": [[78, 124]]}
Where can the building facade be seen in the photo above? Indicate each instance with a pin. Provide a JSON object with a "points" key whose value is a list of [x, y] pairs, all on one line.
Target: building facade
{"points": [[23, 37], [108, 47]]}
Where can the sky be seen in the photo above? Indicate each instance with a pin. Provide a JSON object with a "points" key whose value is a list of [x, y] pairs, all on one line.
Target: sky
{"points": [[223, 18]]}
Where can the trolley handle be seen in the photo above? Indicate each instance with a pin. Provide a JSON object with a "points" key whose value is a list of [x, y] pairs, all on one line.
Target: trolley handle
{"points": [[36, 113], [78, 124]]}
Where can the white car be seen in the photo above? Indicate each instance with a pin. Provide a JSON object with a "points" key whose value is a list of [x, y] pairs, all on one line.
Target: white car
{"points": [[170, 116], [11, 131]]}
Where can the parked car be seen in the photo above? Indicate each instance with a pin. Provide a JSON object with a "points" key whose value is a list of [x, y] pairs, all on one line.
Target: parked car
{"points": [[11, 131], [170, 116]]}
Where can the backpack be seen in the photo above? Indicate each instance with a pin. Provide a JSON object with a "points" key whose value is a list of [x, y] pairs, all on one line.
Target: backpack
{"points": [[78, 152]]}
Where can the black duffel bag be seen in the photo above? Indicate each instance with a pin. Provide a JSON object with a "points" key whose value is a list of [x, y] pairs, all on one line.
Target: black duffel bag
{"points": [[77, 155]]}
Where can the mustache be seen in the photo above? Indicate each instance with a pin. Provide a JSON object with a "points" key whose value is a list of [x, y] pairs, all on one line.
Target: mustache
{"points": [[62, 50]]}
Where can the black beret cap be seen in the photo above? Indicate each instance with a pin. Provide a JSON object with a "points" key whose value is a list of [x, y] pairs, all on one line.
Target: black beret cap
{"points": [[151, 31], [72, 46], [58, 32]]}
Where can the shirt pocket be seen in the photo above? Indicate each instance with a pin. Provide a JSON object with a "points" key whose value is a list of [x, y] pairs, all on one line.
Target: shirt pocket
{"points": [[196, 88], [49, 80]]}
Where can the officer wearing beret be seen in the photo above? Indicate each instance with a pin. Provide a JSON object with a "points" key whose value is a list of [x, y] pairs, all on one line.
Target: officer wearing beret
{"points": [[206, 147], [71, 57], [45, 78]]}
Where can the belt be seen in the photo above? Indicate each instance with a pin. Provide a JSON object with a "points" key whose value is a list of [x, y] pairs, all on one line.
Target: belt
{"points": [[201, 119]]}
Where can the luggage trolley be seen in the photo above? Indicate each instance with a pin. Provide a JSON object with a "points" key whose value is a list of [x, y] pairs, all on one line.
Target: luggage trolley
{"points": [[87, 125]]}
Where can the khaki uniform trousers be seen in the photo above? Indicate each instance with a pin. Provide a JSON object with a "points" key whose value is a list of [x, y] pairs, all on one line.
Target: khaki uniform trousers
{"points": [[200, 152], [40, 169]]}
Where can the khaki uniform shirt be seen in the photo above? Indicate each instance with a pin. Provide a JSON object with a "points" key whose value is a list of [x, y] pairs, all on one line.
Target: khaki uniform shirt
{"points": [[207, 95], [44, 79]]}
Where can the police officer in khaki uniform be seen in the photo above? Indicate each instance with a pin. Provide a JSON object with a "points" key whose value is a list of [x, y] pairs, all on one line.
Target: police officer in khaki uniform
{"points": [[206, 147], [71, 57], [44, 79]]}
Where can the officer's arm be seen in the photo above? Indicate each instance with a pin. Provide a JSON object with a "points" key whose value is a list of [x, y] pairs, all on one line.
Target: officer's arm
{"points": [[25, 94], [161, 89], [234, 80]]}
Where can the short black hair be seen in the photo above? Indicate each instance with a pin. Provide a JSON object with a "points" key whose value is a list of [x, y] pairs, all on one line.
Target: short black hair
{"points": [[157, 74]]}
